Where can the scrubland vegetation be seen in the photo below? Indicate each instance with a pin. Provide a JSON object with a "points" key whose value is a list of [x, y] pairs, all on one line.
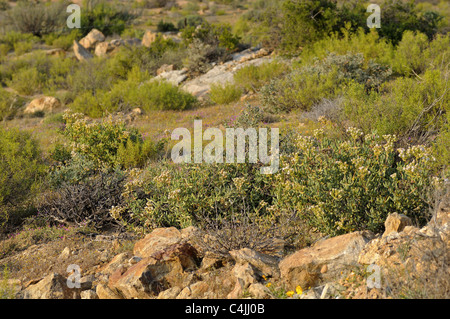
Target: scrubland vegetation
{"points": [[363, 117]]}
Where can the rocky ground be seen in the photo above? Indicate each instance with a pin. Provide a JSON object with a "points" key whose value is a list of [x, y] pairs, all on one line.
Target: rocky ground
{"points": [[404, 261]]}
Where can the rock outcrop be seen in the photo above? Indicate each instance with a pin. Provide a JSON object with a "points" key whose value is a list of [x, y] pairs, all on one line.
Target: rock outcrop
{"points": [[92, 39], [324, 261], [80, 52], [42, 104]]}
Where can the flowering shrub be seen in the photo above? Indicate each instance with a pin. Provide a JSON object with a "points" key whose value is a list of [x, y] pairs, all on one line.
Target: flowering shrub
{"points": [[343, 186]]}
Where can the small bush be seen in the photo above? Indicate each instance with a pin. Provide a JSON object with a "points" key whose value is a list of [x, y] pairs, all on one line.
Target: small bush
{"points": [[21, 170], [341, 186], [86, 202], [106, 17], [27, 81], [165, 26], [252, 77], [325, 78], [103, 142], [9, 104], [182, 195], [408, 107], [37, 18], [225, 94]]}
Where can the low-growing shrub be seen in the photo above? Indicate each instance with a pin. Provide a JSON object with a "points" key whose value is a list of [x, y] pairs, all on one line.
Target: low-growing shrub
{"points": [[324, 78], [106, 142], [408, 107], [252, 77], [165, 26], [109, 18], [180, 195], [225, 94], [37, 18], [341, 186], [86, 202], [9, 104], [21, 170]]}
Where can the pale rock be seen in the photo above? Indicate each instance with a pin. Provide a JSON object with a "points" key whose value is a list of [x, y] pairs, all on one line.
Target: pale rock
{"points": [[89, 294], [42, 104], [396, 223], [159, 239], [80, 52], [53, 286], [194, 291], [170, 293], [338, 253], [104, 292], [266, 264], [259, 291], [92, 38], [149, 38]]}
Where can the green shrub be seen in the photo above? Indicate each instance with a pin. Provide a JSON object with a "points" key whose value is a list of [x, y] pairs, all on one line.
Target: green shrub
{"points": [[106, 143], [252, 77], [63, 41], [407, 107], [341, 186], [182, 195], [369, 44], [27, 81], [37, 18], [324, 79], [9, 104], [108, 18], [409, 54], [225, 94], [21, 170], [299, 28], [190, 21], [160, 95], [165, 26], [22, 47], [399, 16], [299, 90]]}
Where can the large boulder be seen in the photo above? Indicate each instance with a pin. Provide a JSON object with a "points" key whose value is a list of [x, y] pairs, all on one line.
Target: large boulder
{"points": [[396, 223], [324, 261], [160, 271], [53, 286], [159, 239], [42, 104], [92, 39], [265, 264], [80, 52]]}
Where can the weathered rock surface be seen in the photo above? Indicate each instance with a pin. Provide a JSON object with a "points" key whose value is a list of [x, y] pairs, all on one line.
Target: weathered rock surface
{"points": [[221, 74], [159, 239], [156, 272], [91, 39], [148, 38], [80, 52], [337, 254], [266, 265], [396, 223], [53, 286], [42, 104]]}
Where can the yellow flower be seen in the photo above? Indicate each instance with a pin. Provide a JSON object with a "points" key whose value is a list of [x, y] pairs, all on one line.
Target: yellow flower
{"points": [[264, 277], [290, 293], [298, 290], [268, 285]]}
